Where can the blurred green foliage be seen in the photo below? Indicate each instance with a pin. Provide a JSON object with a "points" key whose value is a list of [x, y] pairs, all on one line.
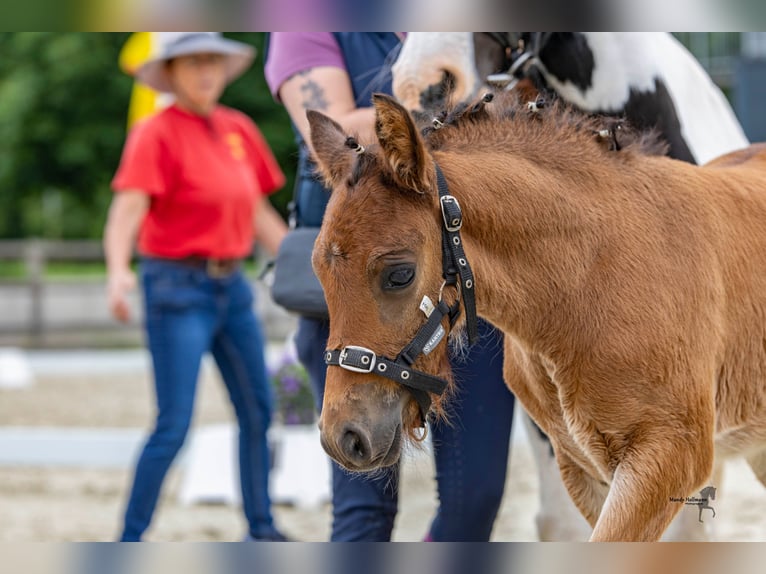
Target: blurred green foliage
{"points": [[63, 109]]}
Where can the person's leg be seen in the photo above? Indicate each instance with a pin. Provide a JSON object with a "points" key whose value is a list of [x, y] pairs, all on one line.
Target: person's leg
{"points": [[238, 348], [364, 508], [178, 325], [471, 449]]}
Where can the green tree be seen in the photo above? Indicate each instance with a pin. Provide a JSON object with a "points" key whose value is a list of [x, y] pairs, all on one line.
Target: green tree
{"points": [[63, 107]]}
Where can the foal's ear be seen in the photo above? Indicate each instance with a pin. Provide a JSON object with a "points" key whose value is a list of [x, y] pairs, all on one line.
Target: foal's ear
{"points": [[333, 157], [402, 145]]}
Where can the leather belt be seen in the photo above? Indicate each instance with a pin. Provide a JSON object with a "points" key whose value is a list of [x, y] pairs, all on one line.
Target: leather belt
{"points": [[215, 268]]}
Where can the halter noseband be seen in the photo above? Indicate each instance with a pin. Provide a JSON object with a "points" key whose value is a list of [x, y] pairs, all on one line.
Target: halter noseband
{"points": [[455, 271]]}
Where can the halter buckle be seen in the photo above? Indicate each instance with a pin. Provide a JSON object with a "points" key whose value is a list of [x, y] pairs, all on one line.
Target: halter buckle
{"points": [[362, 363], [452, 215]]}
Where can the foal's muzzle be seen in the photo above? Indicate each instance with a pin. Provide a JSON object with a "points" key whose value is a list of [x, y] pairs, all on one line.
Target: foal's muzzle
{"points": [[369, 440]]}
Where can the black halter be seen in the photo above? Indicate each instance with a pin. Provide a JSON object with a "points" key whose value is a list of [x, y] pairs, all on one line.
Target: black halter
{"points": [[456, 272]]}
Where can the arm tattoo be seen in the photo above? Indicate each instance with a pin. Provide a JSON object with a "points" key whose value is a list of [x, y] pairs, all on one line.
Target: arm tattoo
{"points": [[313, 96]]}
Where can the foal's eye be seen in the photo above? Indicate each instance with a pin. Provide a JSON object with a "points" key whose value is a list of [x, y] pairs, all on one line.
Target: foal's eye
{"points": [[398, 277]]}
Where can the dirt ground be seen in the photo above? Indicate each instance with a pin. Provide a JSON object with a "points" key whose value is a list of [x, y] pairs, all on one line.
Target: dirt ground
{"points": [[85, 504]]}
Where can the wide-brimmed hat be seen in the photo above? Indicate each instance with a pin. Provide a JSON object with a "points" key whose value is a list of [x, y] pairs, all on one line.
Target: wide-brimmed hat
{"points": [[169, 45]]}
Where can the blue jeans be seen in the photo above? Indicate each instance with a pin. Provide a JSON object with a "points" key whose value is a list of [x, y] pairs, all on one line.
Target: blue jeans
{"points": [[188, 313], [471, 450], [471, 455]]}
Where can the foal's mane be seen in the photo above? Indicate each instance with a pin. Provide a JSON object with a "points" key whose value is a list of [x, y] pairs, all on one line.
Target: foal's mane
{"points": [[502, 118]]}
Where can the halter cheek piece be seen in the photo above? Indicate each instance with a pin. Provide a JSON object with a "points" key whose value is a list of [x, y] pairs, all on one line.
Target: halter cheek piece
{"points": [[456, 271]]}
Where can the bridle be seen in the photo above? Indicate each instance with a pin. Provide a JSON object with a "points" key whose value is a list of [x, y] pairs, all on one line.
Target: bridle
{"points": [[456, 272], [522, 56]]}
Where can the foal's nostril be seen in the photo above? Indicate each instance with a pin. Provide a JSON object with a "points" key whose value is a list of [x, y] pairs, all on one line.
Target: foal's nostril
{"points": [[355, 446]]}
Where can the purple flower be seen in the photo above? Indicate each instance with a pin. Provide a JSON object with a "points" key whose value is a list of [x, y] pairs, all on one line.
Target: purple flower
{"points": [[295, 399], [291, 384], [288, 359]]}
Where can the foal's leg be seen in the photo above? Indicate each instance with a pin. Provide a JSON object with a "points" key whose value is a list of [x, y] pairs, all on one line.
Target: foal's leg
{"points": [[558, 519], [587, 493], [655, 469]]}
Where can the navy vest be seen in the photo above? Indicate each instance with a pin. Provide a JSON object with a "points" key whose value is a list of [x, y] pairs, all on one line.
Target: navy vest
{"points": [[368, 57]]}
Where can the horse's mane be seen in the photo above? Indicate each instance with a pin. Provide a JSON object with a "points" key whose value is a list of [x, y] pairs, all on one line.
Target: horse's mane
{"points": [[498, 117]]}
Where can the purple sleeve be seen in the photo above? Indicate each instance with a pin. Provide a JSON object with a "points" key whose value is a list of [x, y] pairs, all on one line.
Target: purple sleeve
{"points": [[293, 52]]}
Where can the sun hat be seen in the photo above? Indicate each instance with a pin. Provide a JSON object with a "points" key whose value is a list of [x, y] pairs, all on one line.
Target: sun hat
{"points": [[169, 45]]}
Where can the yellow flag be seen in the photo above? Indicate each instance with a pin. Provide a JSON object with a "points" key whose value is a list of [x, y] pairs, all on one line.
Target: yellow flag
{"points": [[143, 100]]}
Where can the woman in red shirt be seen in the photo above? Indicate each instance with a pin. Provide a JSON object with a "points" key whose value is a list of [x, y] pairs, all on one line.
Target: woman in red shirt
{"points": [[193, 186]]}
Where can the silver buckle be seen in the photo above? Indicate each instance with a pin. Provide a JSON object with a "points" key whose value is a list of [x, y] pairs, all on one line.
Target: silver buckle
{"points": [[453, 225], [370, 355]]}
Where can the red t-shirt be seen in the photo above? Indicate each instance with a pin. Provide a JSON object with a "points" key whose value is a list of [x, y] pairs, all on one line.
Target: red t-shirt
{"points": [[205, 177]]}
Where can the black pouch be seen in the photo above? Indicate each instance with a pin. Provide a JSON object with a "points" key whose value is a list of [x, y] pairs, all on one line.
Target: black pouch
{"points": [[295, 286]]}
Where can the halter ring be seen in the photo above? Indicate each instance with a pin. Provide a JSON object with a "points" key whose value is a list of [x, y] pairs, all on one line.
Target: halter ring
{"points": [[441, 291]]}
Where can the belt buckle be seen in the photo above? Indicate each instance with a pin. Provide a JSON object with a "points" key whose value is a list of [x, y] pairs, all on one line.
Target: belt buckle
{"points": [[219, 268]]}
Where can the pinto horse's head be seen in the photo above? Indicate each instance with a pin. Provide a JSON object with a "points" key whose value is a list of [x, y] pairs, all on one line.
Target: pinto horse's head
{"points": [[378, 254], [434, 68]]}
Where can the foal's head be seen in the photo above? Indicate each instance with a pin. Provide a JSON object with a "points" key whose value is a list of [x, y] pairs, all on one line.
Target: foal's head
{"points": [[378, 254]]}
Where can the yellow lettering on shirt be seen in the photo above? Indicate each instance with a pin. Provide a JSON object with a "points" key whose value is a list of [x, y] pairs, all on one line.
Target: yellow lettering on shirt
{"points": [[236, 146]]}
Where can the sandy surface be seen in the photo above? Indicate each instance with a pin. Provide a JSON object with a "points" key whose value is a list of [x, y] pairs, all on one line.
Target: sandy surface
{"points": [[76, 504]]}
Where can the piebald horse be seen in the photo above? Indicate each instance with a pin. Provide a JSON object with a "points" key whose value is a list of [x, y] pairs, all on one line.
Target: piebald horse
{"points": [[631, 289], [650, 78]]}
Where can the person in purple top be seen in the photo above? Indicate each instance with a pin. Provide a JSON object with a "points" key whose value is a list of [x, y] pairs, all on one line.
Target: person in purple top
{"points": [[337, 73]]}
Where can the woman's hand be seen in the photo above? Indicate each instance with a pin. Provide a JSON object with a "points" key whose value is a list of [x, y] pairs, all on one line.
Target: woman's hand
{"points": [[119, 284], [125, 216]]}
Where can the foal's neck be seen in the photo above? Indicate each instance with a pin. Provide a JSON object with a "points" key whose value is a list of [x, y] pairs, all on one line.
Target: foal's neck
{"points": [[531, 231]]}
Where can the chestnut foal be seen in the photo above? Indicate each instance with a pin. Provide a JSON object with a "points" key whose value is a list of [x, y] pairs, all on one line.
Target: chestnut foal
{"points": [[631, 289]]}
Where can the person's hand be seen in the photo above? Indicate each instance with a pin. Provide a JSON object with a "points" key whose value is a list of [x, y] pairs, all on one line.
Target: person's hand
{"points": [[119, 284]]}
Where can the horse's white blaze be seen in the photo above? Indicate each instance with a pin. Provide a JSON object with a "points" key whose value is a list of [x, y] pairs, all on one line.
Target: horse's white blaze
{"points": [[424, 58]]}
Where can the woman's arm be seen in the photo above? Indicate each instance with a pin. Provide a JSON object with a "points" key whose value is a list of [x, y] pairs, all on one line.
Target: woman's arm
{"points": [[126, 213], [270, 228], [328, 90]]}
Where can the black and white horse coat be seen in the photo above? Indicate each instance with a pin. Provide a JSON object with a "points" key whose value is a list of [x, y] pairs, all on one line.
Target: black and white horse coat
{"points": [[649, 78]]}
